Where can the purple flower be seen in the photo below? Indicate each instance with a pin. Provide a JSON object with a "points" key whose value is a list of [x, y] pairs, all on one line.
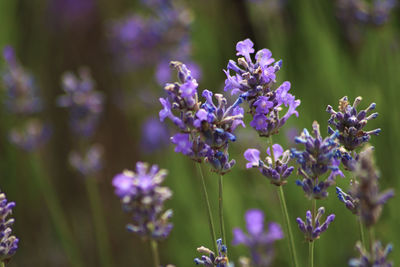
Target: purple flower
{"points": [[378, 257], [210, 259], [255, 82], [260, 243], [350, 122], [245, 48], [155, 135], [85, 104], [30, 136], [182, 143], [317, 159], [189, 88], [312, 229], [143, 197], [277, 172], [90, 163], [8, 242]]}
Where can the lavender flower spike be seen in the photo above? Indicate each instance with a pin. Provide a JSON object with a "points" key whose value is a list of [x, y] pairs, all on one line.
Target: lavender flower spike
{"points": [[8, 242], [313, 230], [371, 200], [259, 242], [255, 82], [143, 197], [317, 159], [211, 259], [378, 258], [278, 174], [350, 122]]}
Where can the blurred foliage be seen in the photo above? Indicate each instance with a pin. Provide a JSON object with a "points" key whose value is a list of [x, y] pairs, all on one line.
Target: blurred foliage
{"points": [[319, 61]]}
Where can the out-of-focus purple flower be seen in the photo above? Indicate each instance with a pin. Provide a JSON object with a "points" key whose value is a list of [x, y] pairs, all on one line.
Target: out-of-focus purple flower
{"points": [[313, 229], [205, 128], [85, 104], [350, 122], [8, 242], [155, 135], [143, 197], [366, 190], [89, 163], [317, 159], [378, 257], [259, 242], [210, 259], [277, 172], [32, 135], [254, 81]]}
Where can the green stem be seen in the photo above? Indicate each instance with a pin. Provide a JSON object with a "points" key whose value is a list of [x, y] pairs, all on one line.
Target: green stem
{"points": [[56, 213], [2, 264], [221, 210], [210, 218], [311, 253], [371, 241], [99, 222], [285, 212], [154, 250], [361, 227]]}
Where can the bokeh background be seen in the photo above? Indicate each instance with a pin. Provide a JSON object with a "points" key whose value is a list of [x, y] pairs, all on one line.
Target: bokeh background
{"points": [[326, 55]]}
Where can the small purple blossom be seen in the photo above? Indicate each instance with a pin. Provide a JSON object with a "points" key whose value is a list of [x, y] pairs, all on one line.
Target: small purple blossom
{"points": [[259, 242], [30, 136], [277, 172], [8, 242], [378, 257], [210, 259], [143, 197], [317, 159], [182, 143], [313, 229], [350, 123], [89, 163]]}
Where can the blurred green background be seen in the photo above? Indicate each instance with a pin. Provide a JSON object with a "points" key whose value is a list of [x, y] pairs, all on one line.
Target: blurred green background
{"points": [[318, 59]]}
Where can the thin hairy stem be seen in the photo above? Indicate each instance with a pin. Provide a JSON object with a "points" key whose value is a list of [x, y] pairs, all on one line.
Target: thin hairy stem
{"points": [[285, 212], [208, 206], [56, 213], [154, 250], [311, 253], [221, 209], [371, 241], [361, 228], [100, 227], [311, 245]]}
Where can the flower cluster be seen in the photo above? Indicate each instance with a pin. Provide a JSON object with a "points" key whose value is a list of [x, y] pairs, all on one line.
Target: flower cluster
{"points": [[313, 229], [8, 242], [366, 190], [23, 100], [143, 197], [379, 256], [85, 106], [277, 172], [154, 39], [210, 259], [350, 201], [317, 158], [254, 82], [205, 129], [260, 243], [350, 122]]}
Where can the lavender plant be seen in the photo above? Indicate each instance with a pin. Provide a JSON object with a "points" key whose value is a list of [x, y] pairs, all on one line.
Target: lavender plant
{"points": [[143, 197], [8, 242], [255, 82], [211, 259], [259, 242], [85, 107]]}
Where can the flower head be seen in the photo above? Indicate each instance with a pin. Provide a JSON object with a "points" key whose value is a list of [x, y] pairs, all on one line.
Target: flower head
{"points": [[313, 229], [259, 242], [8, 242], [210, 259], [90, 163], [254, 81], [350, 123], [317, 159], [143, 197], [277, 172], [378, 258]]}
